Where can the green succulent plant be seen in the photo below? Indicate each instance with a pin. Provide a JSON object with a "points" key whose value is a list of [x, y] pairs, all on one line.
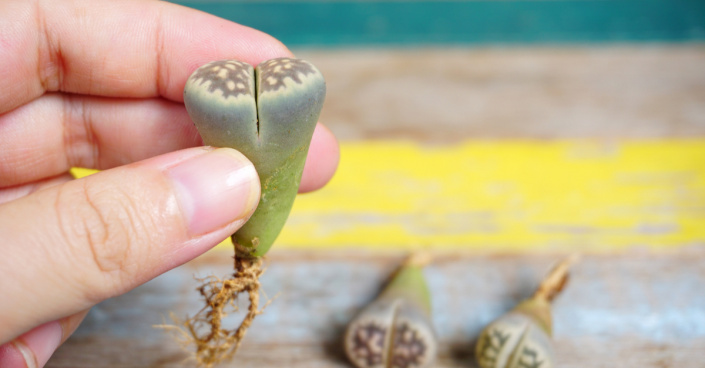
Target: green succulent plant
{"points": [[521, 338], [269, 114], [395, 330]]}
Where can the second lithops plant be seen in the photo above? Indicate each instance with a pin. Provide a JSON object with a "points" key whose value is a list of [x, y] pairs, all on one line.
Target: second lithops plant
{"points": [[522, 337], [269, 114], [395, 330]]}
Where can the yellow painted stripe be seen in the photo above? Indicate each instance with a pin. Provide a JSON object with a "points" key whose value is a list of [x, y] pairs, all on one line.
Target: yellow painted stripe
{"points": [[507, 195]]}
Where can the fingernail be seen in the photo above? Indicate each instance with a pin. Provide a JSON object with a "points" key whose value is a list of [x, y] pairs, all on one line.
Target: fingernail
{"points": [[10, 357], [215, 189], [33, 349]]}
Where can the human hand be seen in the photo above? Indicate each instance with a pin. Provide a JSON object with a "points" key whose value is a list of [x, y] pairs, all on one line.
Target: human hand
{"points": [[98, 84]]}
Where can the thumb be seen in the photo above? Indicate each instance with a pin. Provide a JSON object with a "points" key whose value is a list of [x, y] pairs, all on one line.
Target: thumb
{"points": [[67, 247]]}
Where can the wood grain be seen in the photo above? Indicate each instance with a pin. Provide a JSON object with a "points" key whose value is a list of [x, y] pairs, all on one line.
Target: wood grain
{"points": [[438, 95], [639, 309]]}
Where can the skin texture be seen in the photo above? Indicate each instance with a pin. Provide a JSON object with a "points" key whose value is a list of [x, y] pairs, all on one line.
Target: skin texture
{"points": [[99, 84], [269, 114]]}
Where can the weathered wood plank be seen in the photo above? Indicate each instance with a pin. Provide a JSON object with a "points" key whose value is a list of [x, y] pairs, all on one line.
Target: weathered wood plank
{"points": [[509, 195], [438, 95], [639, 309]]}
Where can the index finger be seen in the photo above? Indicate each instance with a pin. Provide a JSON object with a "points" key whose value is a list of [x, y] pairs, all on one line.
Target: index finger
{"points": [[130, 48]]}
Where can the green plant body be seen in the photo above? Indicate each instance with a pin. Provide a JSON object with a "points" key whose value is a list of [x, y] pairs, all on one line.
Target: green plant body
{"points": [[269, 114], [522, 337], [395, 330]]}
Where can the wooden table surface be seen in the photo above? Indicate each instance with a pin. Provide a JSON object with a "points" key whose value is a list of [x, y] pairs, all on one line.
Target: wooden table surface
{"points": [[637, 299], [635, 309]]}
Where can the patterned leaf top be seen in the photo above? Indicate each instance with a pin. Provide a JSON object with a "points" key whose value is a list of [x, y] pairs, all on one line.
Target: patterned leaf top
{"points": [[368, 343], [409, 347], [274, 72], [231, 77]]}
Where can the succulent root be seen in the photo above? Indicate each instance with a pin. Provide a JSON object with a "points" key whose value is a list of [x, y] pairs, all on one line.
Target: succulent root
{"points": [[214, 342]]}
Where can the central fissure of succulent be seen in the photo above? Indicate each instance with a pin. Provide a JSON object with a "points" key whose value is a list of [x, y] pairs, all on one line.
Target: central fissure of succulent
{"points": [[256, 82], [391, 338]]}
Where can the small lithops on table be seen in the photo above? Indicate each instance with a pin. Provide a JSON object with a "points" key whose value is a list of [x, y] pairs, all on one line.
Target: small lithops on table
{"points": [[269, 114], [522, 337], [395, 330]]}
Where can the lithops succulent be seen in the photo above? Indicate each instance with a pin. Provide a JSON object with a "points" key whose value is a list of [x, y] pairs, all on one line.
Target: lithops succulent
{"points": [[395, 330], [522, 337], [269, 114]]}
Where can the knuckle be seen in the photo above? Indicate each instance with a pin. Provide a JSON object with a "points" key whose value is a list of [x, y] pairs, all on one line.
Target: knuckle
{"points": [[100, 227]]}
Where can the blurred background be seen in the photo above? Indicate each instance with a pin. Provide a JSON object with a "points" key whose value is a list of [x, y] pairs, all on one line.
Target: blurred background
{"points": [[501, 125], [499, 134]]}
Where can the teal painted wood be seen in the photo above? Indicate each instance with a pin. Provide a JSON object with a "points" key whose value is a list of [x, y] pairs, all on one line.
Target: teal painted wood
{"points": [[344, 23]]}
